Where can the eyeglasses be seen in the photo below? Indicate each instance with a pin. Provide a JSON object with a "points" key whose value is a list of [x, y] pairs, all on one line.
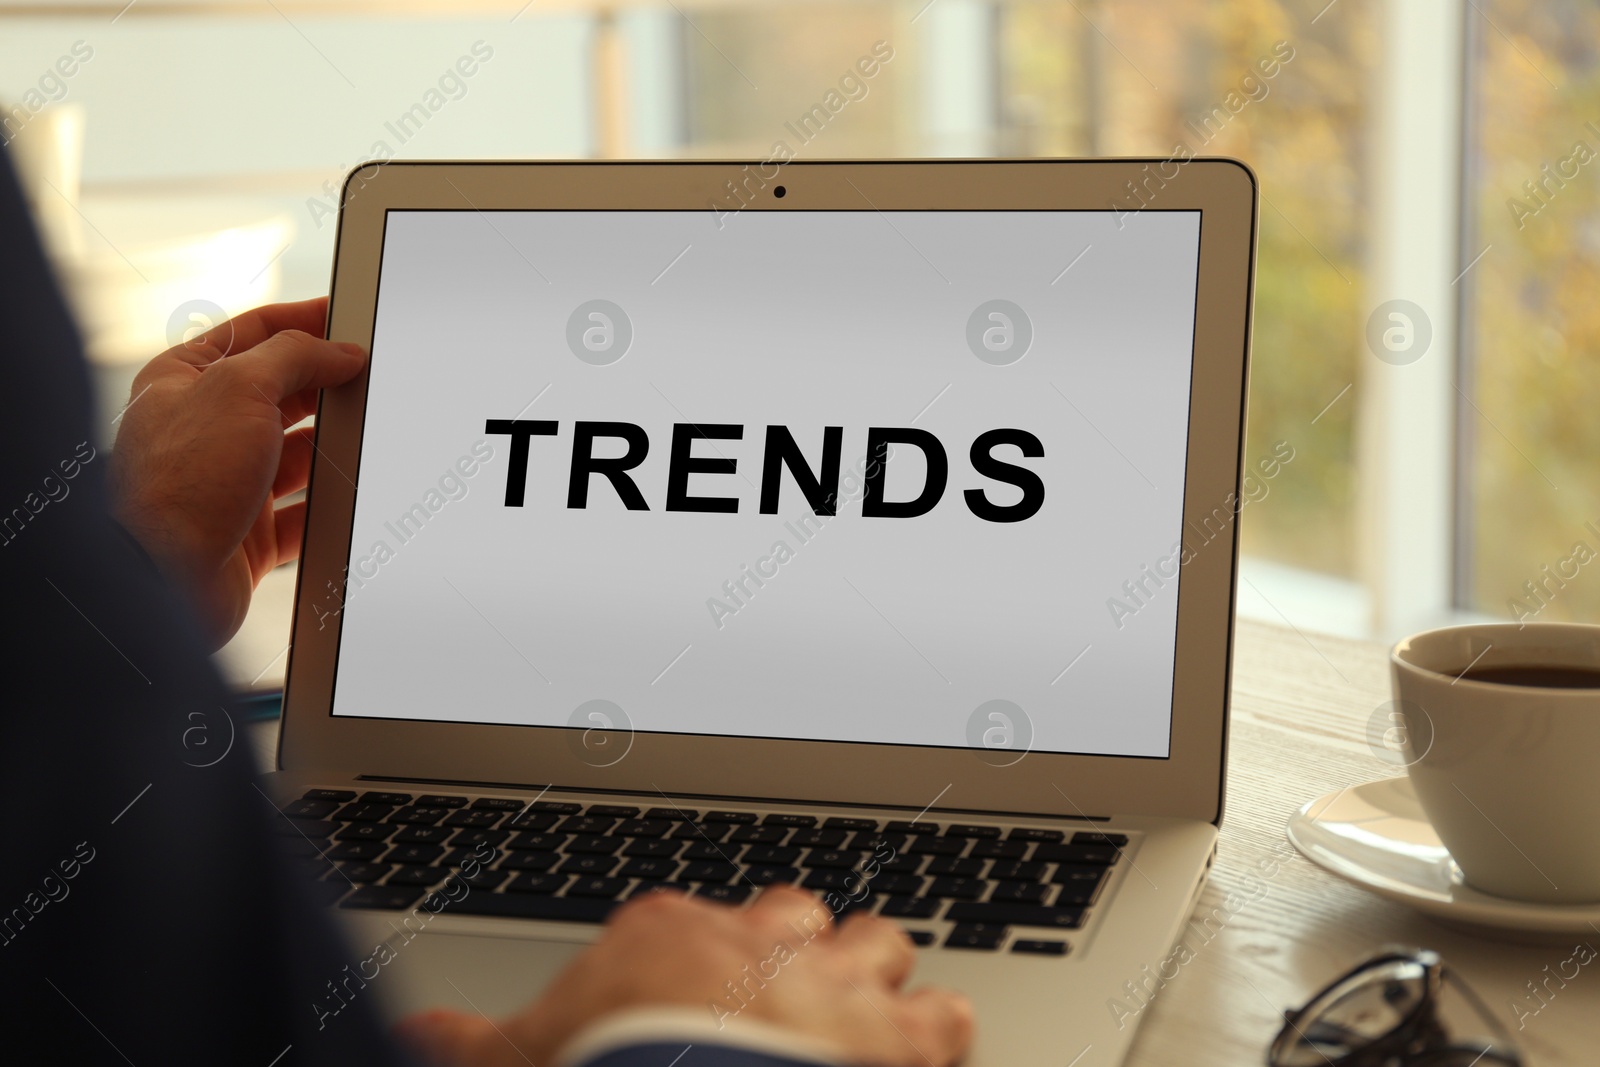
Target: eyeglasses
{"points": [[1390, 1012]]}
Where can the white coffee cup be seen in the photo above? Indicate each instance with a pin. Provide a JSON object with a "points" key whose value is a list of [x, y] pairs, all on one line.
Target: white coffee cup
{"points": [[1507, 773]]}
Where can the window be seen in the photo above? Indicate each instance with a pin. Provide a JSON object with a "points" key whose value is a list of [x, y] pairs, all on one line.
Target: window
{"points": [[1443, 156], [1529, 502]]}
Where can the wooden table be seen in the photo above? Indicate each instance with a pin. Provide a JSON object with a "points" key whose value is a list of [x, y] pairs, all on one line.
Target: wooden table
{"points": [[1301, 704], [1300, 712]]}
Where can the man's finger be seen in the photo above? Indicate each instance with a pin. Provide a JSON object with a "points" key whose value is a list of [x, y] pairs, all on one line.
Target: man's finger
{"points": [[937, 1022], [294, 465], [783, 905], [244, 331], [289, 530], [878, 946], [287, 363]]}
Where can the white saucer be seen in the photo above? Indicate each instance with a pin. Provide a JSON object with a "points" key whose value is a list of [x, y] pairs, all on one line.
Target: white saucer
{"points": [[1375, 836]]}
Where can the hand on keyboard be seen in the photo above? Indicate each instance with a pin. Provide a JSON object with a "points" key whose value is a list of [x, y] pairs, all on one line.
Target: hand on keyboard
{"points": [[788, 966]]}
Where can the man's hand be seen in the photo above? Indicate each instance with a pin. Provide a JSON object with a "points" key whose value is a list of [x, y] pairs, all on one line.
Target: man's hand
{"points": [[841, 986], [202, 456]]}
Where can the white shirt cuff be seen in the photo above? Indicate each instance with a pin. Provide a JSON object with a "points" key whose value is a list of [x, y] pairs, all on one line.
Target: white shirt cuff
{"points": [[639, 1026]]}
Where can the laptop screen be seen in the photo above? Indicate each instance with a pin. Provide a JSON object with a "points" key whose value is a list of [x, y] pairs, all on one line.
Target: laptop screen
{"points": [[909, 478]]}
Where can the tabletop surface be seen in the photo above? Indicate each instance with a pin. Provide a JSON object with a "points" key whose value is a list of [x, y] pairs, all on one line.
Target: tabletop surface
{"points": [[1301, 705], [1281, 927]]}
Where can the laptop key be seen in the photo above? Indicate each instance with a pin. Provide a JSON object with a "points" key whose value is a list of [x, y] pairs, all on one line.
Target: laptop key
{"points": [[586, 824], [357, 850], [819, 838], [1040, 948], [701, 831], [642, 827], [614, 811], [498, 804], [534, 820], [999, 850], [834, 878], [921, 938], [1074, 897], [1083, 876], [478, 855], [658, 887], [536, 882], [529, 861], [1104, 855], [908, 885], [364, 812], [770, 875], [474, 818], [1030, 834], [361, 872], [759, 835], [536, 906], [338, 796], [418, 875], [1017, 872], [1017, 915], [957, 829], [937, 846], [594, 844], [965, 868], [650, 868], [441, 800], [957, 888], [424, 835], [417, 815], [789, 819], [900, 907], [901, 826], [310, 809], [589, 865], [655, 847], [741, 817], [474, 838], [707, 871], [390, 897], [838, 822], [1020, 893], [609, 888], [898, 864], [833, 857], [420, 854], [672, 814], [538, 842], [365, 831], [772, 855], [706, 850], [1096, 837], [385, 798], [556, 807], [983, 936], [726, 894], [484, 879]]}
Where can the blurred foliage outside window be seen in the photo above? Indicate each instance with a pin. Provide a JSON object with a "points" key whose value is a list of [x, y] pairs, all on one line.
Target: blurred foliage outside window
{"points": [[1135, 77]]}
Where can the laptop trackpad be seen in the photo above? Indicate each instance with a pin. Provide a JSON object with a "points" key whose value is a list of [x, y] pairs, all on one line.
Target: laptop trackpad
{"points": [[406, 972]]}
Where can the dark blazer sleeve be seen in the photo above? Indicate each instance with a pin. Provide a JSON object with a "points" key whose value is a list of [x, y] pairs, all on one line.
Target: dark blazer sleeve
{"points": [[144, 914]]}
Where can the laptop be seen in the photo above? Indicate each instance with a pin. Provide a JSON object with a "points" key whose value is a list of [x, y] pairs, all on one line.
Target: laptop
{"points": [[696, 527]]}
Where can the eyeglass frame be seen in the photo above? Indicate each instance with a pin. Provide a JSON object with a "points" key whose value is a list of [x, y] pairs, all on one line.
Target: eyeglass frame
{"points": [[1420, 1023]]}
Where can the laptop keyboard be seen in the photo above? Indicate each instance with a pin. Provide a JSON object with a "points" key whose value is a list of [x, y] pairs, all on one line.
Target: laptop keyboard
{"points": [[979, 886]]}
